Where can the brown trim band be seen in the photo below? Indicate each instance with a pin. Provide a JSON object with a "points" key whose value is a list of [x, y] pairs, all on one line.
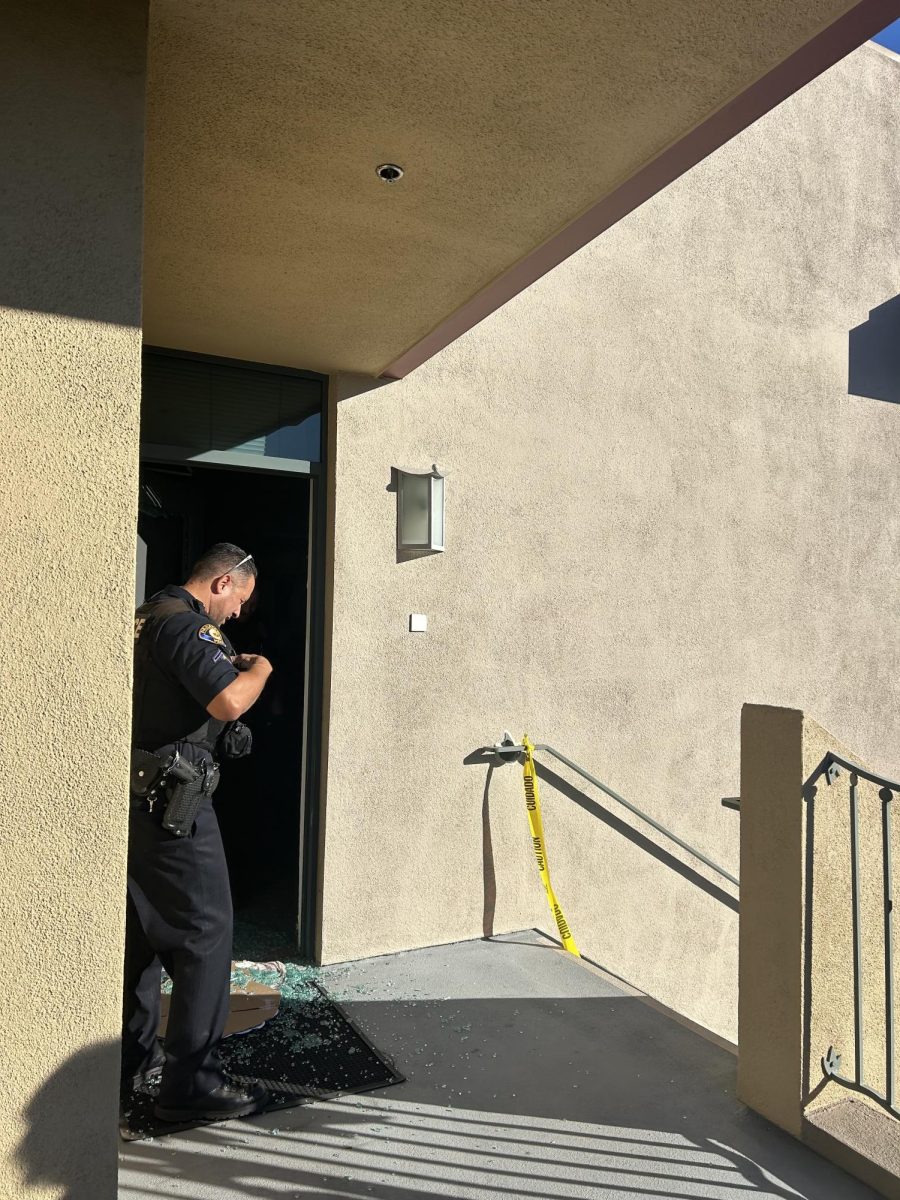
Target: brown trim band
{"points": [[852, 29]]}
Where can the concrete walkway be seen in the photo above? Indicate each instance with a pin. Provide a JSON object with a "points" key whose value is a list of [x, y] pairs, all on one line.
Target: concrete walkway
{"points": [[528, 1075]]}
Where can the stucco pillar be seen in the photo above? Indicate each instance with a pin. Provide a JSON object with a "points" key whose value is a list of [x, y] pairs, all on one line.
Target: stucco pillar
{"points": [[770, 976], [71, 126]]}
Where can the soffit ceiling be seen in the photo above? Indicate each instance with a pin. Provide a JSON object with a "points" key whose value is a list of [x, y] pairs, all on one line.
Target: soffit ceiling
{"points": [[268, 235]]}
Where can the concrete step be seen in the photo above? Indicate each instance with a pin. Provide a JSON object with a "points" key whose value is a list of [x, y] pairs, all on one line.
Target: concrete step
{"points": [[862, 1139]]}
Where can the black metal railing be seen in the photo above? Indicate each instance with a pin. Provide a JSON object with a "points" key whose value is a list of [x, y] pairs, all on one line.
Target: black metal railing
{"points": [[831, 1061]]}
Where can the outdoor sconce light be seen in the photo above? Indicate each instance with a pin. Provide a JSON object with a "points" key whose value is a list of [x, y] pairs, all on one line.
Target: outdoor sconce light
{"points": [[420, 511]]}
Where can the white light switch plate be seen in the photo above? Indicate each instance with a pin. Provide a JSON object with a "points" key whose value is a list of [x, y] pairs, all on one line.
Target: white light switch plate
{"points": [[418, 623]]}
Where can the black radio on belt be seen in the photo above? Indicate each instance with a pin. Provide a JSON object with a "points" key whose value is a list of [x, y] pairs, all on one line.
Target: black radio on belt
{"points": [[235, 741]]}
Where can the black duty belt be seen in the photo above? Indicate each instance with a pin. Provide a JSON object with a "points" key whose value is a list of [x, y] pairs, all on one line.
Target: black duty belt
{"points": [[184, 785]]}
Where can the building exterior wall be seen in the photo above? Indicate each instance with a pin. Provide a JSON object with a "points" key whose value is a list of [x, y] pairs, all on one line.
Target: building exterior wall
{"points": [[662, 502], [72, 131]]}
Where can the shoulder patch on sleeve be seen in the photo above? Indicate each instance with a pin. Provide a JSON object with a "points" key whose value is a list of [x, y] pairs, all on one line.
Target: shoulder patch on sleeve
{"points": [[209, 633]]}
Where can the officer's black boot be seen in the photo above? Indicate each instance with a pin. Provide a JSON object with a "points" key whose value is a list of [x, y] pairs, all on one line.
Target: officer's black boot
{"points": [[229, 1100]]}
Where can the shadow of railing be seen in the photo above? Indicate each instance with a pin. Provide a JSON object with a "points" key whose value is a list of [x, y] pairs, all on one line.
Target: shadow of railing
{"points": [[508, 1096], [601, 813], [488, 756]]}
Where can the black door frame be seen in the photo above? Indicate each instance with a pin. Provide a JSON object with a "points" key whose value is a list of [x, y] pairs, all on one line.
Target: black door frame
{"points": [[310, 790]]}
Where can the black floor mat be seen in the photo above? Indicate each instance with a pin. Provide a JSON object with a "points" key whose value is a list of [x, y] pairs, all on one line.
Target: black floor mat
{"points": [[310, 1051]]}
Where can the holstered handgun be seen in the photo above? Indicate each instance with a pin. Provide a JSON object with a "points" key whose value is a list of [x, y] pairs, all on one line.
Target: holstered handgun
{"points": [[187, 786]]}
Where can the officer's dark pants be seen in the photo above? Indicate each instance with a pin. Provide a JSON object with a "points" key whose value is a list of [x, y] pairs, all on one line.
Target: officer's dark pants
{"points": [[178, 915]]}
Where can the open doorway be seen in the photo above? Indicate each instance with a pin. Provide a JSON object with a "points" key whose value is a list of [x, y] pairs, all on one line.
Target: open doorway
{"points": [[183, 510], [232, 451]]}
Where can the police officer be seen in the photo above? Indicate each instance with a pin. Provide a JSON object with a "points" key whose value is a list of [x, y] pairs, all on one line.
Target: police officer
{"points": [[188, 687]]}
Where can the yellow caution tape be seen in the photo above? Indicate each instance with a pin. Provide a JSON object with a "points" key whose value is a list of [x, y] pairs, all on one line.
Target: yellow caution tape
{"points": [[533, 804]]}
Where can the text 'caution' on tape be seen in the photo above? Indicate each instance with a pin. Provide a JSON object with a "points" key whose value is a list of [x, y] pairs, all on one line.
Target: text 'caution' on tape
{"points": [[533, 805]]}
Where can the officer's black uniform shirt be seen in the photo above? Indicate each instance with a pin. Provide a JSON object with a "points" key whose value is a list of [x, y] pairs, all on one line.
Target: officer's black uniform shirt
{"points": [[183, 664]]}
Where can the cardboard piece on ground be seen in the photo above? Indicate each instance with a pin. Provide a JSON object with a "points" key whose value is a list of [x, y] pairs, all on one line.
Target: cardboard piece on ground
{"points": [[250, 1004]]}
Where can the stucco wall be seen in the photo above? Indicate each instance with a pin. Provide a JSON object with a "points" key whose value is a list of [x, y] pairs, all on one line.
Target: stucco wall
{"points": [[72, 120], [661, 502], [511, 118]]}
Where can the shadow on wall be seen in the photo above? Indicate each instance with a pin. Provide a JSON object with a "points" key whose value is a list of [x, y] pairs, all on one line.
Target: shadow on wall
{"points": [[595, 809], [874, 369], [69, 1146], [71, 126]]}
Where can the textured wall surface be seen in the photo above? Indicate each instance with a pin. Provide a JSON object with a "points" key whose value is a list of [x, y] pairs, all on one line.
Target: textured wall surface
{"points": [[72, 120], [269, 235], [662, 502]]}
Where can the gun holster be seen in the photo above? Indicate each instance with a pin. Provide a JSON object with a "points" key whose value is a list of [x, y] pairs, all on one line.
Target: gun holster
{"points": [[187, 786]]}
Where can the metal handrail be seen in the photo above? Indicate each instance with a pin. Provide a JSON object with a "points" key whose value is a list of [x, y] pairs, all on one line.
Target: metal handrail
{"points": [[510, 749], [831, 1060]]}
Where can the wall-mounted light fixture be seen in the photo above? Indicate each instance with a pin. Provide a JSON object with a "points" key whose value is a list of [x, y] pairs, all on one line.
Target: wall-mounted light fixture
{"points": [[420, 511]]}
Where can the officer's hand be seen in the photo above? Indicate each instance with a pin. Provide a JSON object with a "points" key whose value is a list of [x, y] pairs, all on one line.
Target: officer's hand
{"points": [[244, 662]]}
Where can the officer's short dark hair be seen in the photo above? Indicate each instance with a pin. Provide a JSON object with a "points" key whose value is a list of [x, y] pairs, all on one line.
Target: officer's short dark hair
{"points": [[224, 558]]}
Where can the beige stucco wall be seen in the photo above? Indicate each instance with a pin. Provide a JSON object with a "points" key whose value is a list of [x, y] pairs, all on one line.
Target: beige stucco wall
{"points": [[662, 502], [71, 114], [269, 236]]}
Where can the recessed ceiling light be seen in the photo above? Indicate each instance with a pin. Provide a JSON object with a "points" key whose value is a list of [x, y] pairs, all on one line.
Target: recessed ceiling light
{"points": [[389, 172]]}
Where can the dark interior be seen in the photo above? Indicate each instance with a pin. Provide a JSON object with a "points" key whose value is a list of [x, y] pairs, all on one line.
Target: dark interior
{"points": [[184, 509]]}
